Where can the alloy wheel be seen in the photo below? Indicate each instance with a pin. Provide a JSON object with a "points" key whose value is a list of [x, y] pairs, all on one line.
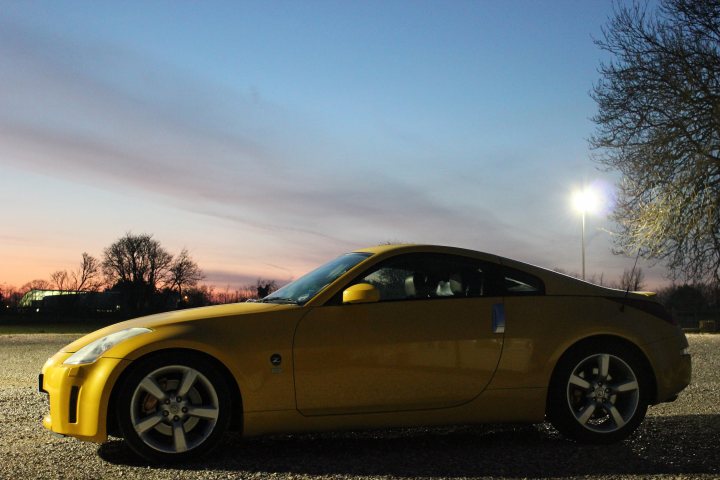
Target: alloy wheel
{"points": [[603, 393], [174, 409]]}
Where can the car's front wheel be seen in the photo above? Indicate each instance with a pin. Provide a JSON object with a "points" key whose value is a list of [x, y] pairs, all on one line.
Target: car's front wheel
{"points": [[599, 394], [173, 407]]}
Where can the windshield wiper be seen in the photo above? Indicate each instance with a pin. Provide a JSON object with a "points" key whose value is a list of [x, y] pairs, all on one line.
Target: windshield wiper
{"points": [[282, 300]]}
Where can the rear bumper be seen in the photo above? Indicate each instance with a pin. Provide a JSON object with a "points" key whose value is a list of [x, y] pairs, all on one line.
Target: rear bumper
{"points": [[672, 366], [78, 396]]}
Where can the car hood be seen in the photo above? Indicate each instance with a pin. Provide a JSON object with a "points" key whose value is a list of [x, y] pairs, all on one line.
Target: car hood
{"points": [[179, 316]]}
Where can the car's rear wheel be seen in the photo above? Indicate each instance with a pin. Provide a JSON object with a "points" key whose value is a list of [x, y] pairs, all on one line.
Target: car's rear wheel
{"points": [[173, 407], [599, 394]]}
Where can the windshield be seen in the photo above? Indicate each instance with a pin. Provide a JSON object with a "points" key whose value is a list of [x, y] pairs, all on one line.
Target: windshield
{"points": [[307, 286]]}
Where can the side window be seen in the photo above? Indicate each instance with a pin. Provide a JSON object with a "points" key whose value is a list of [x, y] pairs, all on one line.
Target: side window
{"points": [[414, 276], [521, 283], [390, 281]]}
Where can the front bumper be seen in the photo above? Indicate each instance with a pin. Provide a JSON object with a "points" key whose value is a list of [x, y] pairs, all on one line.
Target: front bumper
{"points": [[79, 395]]}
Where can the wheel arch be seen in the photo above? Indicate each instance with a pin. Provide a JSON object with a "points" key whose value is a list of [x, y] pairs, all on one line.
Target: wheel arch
{"points": [[597, 341], [236, 419]]}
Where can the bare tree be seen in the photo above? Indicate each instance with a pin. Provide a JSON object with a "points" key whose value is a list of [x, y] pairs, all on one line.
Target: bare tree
{"points": [[265, 287], [9, 297], [184, 272], [37, 284], [87, 276], [59, 280], [632, 280], [136, 265], [658, 124], [5, 293], [136, 259]]}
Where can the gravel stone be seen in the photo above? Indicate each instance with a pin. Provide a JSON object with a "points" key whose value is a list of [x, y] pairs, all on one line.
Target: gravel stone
{"points": [[677, 440]]}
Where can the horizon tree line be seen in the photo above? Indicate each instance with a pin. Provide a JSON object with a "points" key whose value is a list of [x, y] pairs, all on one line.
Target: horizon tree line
{"points": [[144, 272]]}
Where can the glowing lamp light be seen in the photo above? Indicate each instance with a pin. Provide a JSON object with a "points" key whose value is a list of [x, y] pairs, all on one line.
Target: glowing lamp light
{"points": [[586, 200]]}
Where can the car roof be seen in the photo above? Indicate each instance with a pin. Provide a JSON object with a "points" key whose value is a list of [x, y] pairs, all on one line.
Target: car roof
{"points": [[412, 247], [555, 283]]}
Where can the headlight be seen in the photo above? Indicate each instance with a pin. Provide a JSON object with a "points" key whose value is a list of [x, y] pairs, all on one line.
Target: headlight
{"points": [[92, 351]]}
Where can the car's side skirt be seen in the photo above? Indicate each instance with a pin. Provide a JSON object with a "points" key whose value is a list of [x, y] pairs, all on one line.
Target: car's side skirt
{"points": [[525, 405]]}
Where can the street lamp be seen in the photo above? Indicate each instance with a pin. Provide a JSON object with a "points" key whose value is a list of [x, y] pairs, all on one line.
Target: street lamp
{"points": [[585, 201]]}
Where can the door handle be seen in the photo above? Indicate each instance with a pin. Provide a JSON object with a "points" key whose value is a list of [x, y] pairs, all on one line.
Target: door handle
{"points": [[498, 318]]}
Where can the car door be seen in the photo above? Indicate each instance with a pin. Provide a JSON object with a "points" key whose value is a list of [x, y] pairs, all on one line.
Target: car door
{"points": [[432, 341]]}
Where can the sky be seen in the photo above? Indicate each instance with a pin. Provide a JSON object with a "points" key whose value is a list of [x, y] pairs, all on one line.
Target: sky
{"points": [[269, 137]]}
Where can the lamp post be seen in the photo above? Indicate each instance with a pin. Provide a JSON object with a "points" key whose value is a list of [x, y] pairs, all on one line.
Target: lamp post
{"points": [[583, 244], [584, 201]]}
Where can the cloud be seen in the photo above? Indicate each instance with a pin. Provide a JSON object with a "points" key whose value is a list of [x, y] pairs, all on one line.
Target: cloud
{"points": [[103, 116]]}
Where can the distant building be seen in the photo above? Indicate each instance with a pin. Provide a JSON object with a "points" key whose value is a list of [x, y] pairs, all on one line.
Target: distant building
{"points": [[72, 302], [34, 298]]}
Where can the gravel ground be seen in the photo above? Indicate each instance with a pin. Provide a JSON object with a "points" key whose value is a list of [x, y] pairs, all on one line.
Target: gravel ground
{"points": [[677, 440]]}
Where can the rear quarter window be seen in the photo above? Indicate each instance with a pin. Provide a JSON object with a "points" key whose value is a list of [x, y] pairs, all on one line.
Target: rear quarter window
{"points": [[519, 283]]}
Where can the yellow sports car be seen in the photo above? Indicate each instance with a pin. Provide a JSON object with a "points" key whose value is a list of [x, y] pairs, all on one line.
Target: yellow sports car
{"points": [[399, 335]]}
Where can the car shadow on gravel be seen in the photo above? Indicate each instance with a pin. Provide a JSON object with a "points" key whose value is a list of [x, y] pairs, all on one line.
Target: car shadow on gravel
{"points": [[663, 445]]}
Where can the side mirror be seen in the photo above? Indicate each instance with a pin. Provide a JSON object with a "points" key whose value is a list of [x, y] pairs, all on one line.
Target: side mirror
{"points": [[361, 293]]}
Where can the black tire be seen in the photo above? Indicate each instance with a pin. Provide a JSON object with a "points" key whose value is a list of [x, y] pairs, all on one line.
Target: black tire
{"points": [[173, 407], [599, 393]]}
